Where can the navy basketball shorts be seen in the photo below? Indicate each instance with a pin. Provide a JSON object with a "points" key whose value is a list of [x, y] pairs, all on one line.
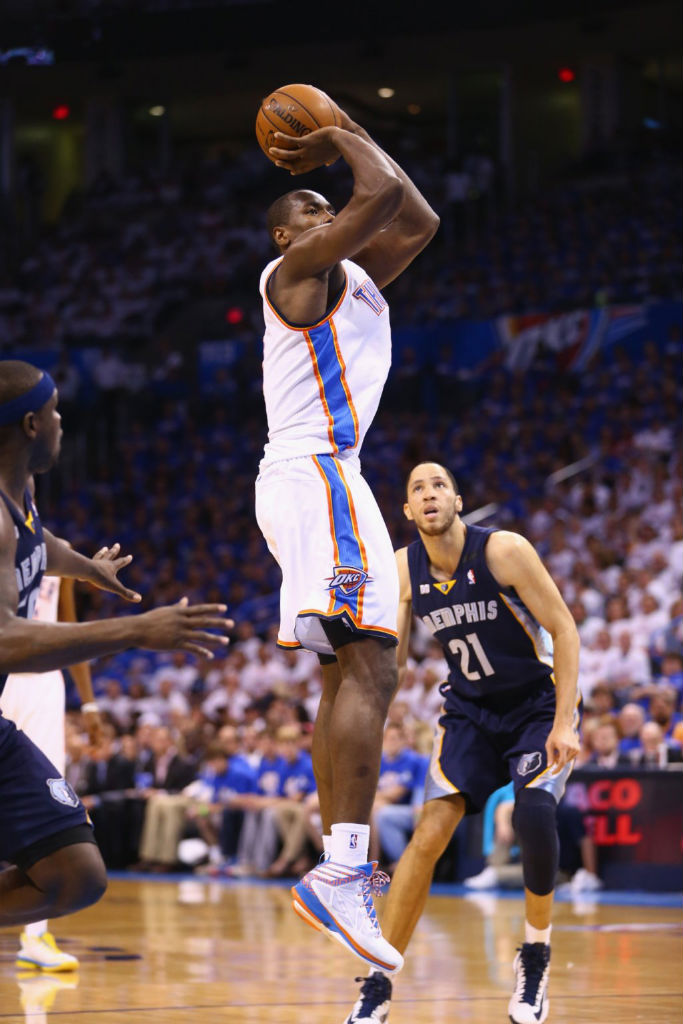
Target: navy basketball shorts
{"points": [[39, 811], [480, 747]]}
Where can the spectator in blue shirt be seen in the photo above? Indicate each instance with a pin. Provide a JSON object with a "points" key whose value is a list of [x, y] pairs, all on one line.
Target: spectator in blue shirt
{"points": [[399, 796], [290, 811]]}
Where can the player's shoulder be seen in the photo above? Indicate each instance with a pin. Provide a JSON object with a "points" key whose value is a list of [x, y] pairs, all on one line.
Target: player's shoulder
{"points": [[507, 553], [401, 555], [8, 530], [267, 271], [405, 590], [507, 541]]}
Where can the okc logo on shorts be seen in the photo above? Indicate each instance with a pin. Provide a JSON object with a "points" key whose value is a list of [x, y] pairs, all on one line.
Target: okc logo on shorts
{"points": [[529, 763], [348, 579], [61, 791]]}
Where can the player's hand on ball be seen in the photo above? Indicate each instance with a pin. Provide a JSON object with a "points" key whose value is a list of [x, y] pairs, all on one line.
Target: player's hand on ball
{"points": [[106, 565], [298, 156], [345, 121], [185, 627]]}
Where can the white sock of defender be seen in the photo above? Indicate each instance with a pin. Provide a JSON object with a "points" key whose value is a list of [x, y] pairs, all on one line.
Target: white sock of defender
{"points": [[532, 934], [36, 928], [327, 844], [349, 843]]}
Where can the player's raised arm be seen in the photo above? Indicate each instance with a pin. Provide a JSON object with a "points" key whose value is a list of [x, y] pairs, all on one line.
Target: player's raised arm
{"points": [[414, 226], [405, 611], [378, 193], [515, 563]]}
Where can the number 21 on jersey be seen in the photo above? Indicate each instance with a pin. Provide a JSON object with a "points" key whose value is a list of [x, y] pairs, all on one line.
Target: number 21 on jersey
{"points": [[462, 649]]}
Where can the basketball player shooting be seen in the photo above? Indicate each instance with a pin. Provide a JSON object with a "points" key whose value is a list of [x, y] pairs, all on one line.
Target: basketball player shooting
{"points": [[327, 352]]}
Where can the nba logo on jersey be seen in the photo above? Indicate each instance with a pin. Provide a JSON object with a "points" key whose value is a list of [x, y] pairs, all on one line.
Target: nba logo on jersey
{"points": [[353, 841], [348, 579], [471, 578]]}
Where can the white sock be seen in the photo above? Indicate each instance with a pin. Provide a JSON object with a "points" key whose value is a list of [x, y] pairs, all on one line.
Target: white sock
{"points": [[36, 928], [327, 844], [378, 970], [532, 934], [349, 843]]}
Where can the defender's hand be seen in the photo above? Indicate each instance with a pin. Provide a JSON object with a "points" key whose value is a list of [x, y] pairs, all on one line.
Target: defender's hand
{"points": [[562, 746], [184, 627], [105, 567], [298, 156]]}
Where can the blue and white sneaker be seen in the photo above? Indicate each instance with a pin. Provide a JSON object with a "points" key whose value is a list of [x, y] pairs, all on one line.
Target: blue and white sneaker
{"points": [[529, 1003], [337, 899], [374, 1001]]}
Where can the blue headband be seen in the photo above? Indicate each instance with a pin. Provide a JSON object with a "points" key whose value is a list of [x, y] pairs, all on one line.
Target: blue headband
{"points": [[31, 401]]}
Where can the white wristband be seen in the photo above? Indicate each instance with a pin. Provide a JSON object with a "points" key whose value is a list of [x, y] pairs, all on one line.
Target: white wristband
{"points": [[90, 705]]}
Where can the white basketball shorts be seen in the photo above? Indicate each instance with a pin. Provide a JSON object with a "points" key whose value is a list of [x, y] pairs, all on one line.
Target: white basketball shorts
{"points": [[35, 703], [322, 525]]}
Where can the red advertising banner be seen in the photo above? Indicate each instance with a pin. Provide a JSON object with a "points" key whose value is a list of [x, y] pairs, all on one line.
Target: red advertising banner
{"points": [[636, 821]]}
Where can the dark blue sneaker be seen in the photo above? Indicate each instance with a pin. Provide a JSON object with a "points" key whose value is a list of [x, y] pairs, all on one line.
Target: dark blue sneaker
{"points": [[374, 1001], [529, 1003]]}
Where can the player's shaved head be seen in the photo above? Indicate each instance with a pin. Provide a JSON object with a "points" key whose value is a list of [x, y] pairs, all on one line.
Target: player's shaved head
{"points": [[425, 467], [280, 212], [16, 378]]}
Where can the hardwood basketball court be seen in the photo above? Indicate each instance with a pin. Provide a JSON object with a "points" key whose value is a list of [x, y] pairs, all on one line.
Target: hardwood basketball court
{"points": [[188, 951]]}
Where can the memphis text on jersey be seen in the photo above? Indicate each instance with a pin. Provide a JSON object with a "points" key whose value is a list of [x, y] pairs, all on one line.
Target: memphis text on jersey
{"points": [[454, 614], [30, 567]]}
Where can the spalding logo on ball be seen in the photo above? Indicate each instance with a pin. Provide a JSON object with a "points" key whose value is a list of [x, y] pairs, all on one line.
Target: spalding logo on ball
{"points": [[294, 110]]}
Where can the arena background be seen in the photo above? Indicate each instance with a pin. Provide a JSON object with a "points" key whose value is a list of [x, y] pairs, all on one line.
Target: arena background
{"points": [[537, 341]]}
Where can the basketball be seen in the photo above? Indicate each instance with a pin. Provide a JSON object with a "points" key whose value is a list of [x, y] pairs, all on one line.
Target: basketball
{"points": [[294, 110]]}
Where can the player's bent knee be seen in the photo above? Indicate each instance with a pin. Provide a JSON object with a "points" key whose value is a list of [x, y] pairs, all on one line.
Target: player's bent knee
{"points": [[535, 821], [431, 838], [72, 878]]}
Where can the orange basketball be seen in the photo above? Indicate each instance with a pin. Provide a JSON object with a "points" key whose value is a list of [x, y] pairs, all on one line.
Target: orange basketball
{"points": [[294, 110]]}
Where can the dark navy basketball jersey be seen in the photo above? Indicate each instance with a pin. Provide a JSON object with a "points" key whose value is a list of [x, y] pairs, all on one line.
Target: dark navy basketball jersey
{"points": [[31, 556], [493, 644]]}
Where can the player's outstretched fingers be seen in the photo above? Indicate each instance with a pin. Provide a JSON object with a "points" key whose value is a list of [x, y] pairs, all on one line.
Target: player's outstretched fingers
{"points": [[203, 652], [210, 639]]}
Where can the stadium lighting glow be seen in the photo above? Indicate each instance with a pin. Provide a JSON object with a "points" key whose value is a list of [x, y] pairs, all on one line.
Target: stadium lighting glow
{"points": [[414, 108], [566, 75], [60, 112], [386, 92], [157, 111]]}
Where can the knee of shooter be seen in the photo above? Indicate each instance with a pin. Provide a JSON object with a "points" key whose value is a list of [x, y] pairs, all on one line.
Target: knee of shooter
{"points": [[535, 823], [372, 664]]}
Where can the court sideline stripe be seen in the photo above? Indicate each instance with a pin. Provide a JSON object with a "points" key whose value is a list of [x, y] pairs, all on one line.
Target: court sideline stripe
{"points": [[339, 1002]]}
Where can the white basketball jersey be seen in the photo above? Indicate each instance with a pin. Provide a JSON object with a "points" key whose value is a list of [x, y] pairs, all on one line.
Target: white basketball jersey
{"points": [[322, 384], [34, 701], [47, 601]]}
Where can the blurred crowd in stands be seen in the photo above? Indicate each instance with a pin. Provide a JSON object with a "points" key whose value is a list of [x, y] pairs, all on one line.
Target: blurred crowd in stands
{"points": [[127, 255], [207, 763]]}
